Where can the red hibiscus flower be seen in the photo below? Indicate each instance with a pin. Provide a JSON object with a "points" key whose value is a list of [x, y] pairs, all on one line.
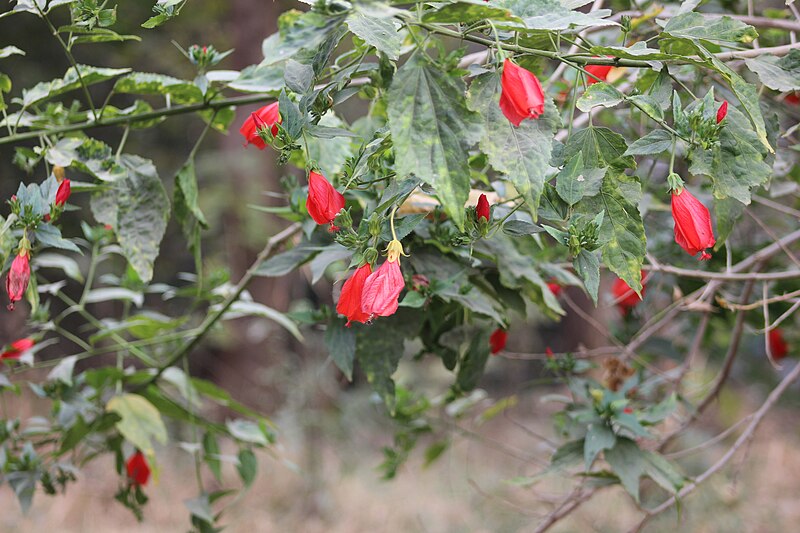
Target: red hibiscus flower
{"points": [[267, 116], [522, 96]]}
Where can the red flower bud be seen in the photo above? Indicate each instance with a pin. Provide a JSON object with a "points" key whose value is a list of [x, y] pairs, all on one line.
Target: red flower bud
{"points": [[693, 230], [267, 116], [497, 340], [350, 299], [382, 289], [549, 352], [792, 98], [522, 96], [777, 345], [324, 202], [62, 195], [18, 277], [138, 469], [722, 111], [625, 297], [628, 410], [17, 348], [482, 210], [598, 71], [555, 288]]}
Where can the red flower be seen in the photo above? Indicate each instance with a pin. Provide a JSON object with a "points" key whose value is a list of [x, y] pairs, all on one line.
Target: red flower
{"points": [[350, 299], [382, 289], [522, 96], [598, 71], [693, 230], [324, 202], [497, 340], [777, 345], [138, 469], [628, 410], [482, 210], [555, 288], [722, 111], [625, 297], [549, 352], [18, 277], [792, 98], [62, 195], [17, 348], [264, 117]]}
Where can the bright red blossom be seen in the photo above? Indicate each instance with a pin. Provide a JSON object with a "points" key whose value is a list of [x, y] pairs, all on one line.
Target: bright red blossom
{"points": [[138, 469], [482, 210], [628, 410], [693, 230], [17, 348], [555, 288], [62, 195], [598, 71], [267, 116], [18, 277], [777, 344], [522, 96], [625, 297], [497, 340], [382, 288], [722, 111], [324, 202], [549, 352], [350, 299]]}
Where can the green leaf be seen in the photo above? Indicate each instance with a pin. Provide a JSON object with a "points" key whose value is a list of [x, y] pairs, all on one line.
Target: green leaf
{"points": [[600, 148], [599, 94], [69, 82], [520, 228], [599, 437], [648, 105], [247, 466], [187, 208], [298, 77], [49, 235], [432, 130], [246, 431], [211, 455], [140, 421], [575, 181], [466, 11], [308, 31], [329, 154], [158, 20], [727, 211], [521, 153], [716, 30], [473, 362], [663, 472], [402, 226], [628, 463], [587, 266], [552, 15], [259, 79], [380, 33], [181, 91], [90, 156], [283, 263], [245, 308], [63, 370], [7, 51], [622, 233], [341, 343], [654, 142], [138, 208], [777, 73], [737, 164]]}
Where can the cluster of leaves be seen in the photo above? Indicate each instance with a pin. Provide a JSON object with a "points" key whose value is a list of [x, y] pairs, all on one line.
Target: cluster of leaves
{"points": [[434, 135]]}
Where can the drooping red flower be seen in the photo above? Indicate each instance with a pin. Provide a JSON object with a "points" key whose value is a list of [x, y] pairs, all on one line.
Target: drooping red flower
{"points": [[777, 344], [722, 111], [625, 297], [555, 288], [598, 71], [16, 349], [693, 230], [522, 96], [267, 116], [497, 341], [18, 277], [350, 299], [482, 210], [382, 288], [138, 469], [62, 195], [324, 202]]}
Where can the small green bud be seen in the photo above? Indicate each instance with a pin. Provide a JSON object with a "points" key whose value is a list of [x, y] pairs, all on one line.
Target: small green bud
{"points": [[371, 255], [375, 223]]}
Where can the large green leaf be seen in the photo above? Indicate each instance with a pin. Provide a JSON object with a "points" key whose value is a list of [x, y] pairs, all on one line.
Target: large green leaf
{"points": [[432, 128], [341, 343], [305, 32], [599, 437], [140, 422], [380, 32], [600, 148], [187, 208], [86, 155], [622, 234], [575, 181], [180, 91], [137, 206], [467, 11], [654, 142], [552, 15], [522, 153], [693, 25], [70, 82], [599, 94], [778, 73], [737, 163], [628, 463], [259, 79]]}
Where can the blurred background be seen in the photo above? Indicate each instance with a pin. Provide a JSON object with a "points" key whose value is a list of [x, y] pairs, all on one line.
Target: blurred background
{"points": [[324, 473]]}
